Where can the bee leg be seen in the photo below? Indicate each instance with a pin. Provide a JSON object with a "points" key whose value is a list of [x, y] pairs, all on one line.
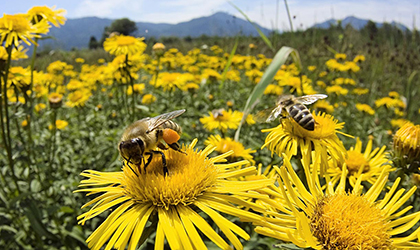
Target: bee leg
{"points": [[161, 146], [128, 161], [175, 146], [165, 168], [148, 160]]}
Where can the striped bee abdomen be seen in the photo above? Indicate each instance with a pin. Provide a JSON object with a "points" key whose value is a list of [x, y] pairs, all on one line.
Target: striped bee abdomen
{"points": [[302, 116], [172, 125]]}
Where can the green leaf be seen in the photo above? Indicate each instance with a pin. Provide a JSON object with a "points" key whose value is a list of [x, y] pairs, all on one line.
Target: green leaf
{"points": [[278, 60], [34, 216], [264, 37], [76, 234], [66, 209], [35, 186]]}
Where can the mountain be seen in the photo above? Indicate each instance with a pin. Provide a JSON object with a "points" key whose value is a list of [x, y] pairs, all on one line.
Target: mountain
{"points": [[76, 33], [355, 22]]}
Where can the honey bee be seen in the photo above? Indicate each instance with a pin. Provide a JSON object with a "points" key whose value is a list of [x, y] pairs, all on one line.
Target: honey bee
{"points": [[217, 112], [141, 138], [295, 107]]}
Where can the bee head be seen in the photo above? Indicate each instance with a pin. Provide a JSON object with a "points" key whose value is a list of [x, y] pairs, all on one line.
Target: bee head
{"points": [[131, 147], [284, 100]]}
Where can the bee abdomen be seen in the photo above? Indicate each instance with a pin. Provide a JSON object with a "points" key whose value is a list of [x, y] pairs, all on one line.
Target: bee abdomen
{"points": [[172, 125], [302, 116]]}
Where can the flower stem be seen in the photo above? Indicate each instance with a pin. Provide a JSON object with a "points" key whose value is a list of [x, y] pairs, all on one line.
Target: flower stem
{"points": [[53, 137], [30, 109], [6, 137]]}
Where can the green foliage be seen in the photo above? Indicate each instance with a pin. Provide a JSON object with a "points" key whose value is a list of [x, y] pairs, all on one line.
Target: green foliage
{"points": [[123, 26]]}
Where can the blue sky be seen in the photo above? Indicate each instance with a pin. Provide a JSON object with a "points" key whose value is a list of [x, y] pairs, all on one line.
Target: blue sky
{"points": [[307, 12]]}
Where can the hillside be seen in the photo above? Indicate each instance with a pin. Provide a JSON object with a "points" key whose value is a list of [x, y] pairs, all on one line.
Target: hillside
{"points": [[77, 32], [355, 22]]}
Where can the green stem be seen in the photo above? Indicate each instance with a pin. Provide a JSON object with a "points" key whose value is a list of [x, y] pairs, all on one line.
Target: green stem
{"points": [[133, 104], [157, 69], [7, 118], [53, 137], [288, 14], [30, 109]]}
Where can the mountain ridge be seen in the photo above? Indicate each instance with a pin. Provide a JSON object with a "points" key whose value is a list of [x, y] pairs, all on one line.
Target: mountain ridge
{"points": [[355, 22], [77, 32]]}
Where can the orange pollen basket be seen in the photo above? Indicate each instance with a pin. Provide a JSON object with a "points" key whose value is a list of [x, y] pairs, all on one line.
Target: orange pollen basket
{"points": [[170, 136]]}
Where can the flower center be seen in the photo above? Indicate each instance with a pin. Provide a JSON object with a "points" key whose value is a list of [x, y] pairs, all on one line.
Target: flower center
{"points": [[126, 40], [355, 161], [190, 175], [348, 221], [16, 23]]}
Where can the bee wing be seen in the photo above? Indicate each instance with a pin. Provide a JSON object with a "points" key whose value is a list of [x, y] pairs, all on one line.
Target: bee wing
{"points": [[309, 99], [156, 121], [267, 115]]}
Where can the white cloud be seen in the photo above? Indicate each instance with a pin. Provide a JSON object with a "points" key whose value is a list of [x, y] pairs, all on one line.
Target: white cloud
{"points": [[180, 10], [107, 8]]}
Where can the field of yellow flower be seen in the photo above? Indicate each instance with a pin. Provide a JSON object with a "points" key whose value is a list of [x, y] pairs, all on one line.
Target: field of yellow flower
{"points": [[350, 183]]}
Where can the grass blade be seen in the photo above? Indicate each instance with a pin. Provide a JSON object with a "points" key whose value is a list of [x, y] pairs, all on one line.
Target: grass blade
{"points": [[264, 37], [229, 62], [268, 76]]}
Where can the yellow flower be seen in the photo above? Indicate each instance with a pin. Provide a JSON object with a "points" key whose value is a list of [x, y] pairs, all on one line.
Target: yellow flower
{"points": [[17, 53], [359, 58], [394, 94], [78, 98], [124, 45], [273, 89], [15, 28], [407, 143], [365, 108], [39, 13], [168, 81], [398, 123], [59, 124], [39, 107], [224, 121], [336, 219], [340, 56], [390, 102], [289, 136], [55, 100], [148, 99], [321, 84], [79, 60], [195, 186], [101, 61], [323, 105], [311, 68], [138, 88], [323, 73], [158, 46], [24, 123], [365, 166], [210, 75], [252, 46], [224, 145], [21, 77], [360, 91], [233, 75], [338, 90]]}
